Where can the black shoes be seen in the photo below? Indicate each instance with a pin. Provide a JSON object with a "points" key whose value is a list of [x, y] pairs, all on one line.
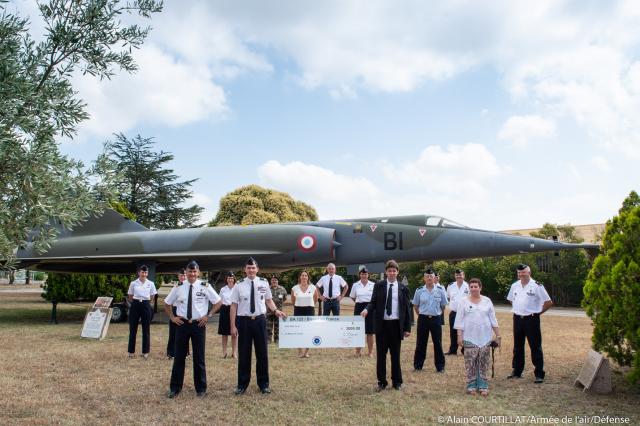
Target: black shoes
{"points": [[513, 375], [539, 380], [265, 391], [441, 371], [416, 369], [172, 394], [398, 387], [380, 388], [240, 391], [451, 353], [201, 394]]}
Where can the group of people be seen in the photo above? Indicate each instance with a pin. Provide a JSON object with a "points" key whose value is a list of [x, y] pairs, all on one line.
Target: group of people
{"points": [[250, 310]]}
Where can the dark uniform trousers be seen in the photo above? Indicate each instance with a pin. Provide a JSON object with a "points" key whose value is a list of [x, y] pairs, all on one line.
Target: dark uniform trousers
{"points": [[139, 311], [428, 324], [198, 336], [252, 332], [388, 339], [453, 334], [331, 306], [171, 343], [273, 328], [527, 327]]}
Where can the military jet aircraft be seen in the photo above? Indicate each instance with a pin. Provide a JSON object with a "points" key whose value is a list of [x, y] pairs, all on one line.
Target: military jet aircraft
{"points": [[113, 244]]}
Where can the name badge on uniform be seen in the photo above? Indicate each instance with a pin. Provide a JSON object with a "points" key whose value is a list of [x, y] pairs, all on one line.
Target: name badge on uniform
{"points": [[530, 294]]}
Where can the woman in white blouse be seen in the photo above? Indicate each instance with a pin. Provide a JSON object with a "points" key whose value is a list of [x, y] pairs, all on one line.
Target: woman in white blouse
{"points": [[476, 322], [139, 295], [361, 292], [224, 322], [304, 297]]}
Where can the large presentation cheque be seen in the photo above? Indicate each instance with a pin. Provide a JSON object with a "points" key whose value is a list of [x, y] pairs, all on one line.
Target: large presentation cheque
{"points": [[322, 332]]}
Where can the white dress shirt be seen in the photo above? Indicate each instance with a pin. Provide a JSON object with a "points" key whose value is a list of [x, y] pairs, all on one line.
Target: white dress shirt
{"points": [[142, 291], [337, 284], [225, 294], [362, 292], [528, 299], [201, 295], [241, 296], [394, 301], [455, 294]]}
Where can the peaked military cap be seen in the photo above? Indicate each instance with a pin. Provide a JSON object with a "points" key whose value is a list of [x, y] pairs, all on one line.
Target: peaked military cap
{"points": [[522, 267], [193, 265]]}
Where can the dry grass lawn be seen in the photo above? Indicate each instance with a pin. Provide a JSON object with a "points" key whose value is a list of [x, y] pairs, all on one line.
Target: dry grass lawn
{"points": [[50, 375]]}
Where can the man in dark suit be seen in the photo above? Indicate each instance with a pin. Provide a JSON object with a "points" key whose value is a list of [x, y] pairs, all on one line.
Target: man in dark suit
{"points": [[390, 304]]}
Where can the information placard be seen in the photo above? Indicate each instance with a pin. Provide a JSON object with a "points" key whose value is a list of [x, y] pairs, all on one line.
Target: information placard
{"points": [[96, 323], [322, 332]]}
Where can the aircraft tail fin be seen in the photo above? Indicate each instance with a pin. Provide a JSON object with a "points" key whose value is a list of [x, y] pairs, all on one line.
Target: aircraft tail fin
{"points": [[109, 222]]}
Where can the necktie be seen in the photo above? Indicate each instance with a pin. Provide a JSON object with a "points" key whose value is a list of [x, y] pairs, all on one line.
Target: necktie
{"points": [[330, 287], [253, 299], [189, 313], [389, 297]]}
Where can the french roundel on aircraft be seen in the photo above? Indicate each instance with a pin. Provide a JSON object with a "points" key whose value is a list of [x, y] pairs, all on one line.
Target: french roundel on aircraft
{"points": [[307, 242]]}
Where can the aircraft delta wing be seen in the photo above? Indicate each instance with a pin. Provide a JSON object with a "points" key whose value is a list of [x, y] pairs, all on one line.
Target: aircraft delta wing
{"points": [[114, 244]]}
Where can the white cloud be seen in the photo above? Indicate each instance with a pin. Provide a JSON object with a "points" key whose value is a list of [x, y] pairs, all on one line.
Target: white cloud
{"points": [[333, 194], [435, 182], [162, 92], [521, 129], [600, 163], [459, 171], [203, 200]]}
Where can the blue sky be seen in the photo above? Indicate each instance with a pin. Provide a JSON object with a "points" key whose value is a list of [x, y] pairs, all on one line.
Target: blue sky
{"points": [[498, 115]]}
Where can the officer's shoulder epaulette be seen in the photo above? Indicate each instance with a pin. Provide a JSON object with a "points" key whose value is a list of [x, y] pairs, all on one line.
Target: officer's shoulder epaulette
{"points": [[262, 279], [206, 284]]}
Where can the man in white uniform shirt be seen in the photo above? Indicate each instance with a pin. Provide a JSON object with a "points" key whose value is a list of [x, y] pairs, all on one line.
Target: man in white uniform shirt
{"points": [[457, 290], [529, 300], [249, 301], [191, 299], [333, 288]]}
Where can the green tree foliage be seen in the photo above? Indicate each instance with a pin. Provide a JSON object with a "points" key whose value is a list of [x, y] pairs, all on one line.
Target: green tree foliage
{"points": [[612, 290], [563, 275], [66, 288], [146, 187], [253, 204], [38, 185]]}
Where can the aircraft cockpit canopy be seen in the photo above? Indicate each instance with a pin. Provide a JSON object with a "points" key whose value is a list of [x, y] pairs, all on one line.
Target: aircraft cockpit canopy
{"points": [[442, 222], [416, 220]]}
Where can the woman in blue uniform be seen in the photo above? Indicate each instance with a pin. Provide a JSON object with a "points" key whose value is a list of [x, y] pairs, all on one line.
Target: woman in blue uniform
{"points": [[140, 293]]}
